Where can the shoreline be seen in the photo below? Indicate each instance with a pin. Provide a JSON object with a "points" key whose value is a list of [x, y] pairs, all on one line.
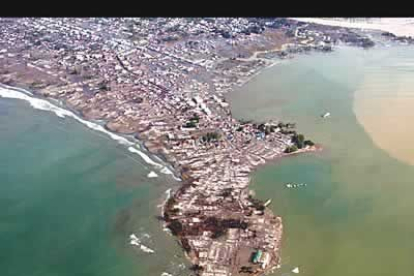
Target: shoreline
{"points": [[391, 26], [143, 147], [168, 93], [130, 138], [141, 142]]}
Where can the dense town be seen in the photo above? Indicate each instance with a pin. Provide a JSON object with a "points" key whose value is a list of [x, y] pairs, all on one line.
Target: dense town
{"points": [[164, 80]]}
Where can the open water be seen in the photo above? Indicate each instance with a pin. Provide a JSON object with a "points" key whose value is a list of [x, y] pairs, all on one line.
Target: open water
{"points": [[354, 216]]}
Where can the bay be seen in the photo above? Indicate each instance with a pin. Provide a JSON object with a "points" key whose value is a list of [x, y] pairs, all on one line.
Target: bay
{"points": [[353, 217]]}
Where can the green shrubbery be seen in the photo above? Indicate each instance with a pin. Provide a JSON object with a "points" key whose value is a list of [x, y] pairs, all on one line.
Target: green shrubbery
{"points": [[300, 142], [291, 149], [210, 137]]}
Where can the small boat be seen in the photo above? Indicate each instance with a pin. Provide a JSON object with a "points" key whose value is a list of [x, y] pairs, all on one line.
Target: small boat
{"points": [[293, 185], [327, 114], [267, 203]]}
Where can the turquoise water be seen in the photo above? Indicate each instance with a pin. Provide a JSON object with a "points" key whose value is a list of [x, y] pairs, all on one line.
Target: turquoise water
{"points": [[70, 198], [354, 216]]}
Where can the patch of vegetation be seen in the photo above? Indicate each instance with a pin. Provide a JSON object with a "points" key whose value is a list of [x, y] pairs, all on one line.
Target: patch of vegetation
{"points": [[388, 34], [219, 227], [367, 43], [261, 127], [267, 129], [309, 143], [299, 140], [226, 192], [195, 118], [104, 86], [137, 100], [169, 210], [176, 227], [190, 124], [291, 149], [246, 269], [185, 245], [36, 85], [196, 267], [210, 137], [257, 203], [286, 125], [290, 33]]}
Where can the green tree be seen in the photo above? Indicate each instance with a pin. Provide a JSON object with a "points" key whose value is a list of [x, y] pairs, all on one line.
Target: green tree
{"points": [[291, 149], [309, 143], [190, 124], [299, 140], [210, 137]]}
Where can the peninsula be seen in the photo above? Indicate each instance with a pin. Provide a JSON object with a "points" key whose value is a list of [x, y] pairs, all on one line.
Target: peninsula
{"points": [[164, 80]]}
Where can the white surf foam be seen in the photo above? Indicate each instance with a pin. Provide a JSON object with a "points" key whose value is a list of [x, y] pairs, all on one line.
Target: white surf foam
{"points": [[167, 197], [60, 112], [152, 174], [4, 86], [162, 206], [133, 240], [16, 93], [165, 170], [144, 156]]}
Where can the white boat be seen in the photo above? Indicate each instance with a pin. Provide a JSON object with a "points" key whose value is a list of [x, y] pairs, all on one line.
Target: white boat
{"points": [[327, 114], [293, 185]]}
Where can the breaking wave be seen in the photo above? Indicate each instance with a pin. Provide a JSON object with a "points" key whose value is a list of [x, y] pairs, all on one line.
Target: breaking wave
{"points": [[152, 174], [145, 157], [41, 104], [135, 241]]}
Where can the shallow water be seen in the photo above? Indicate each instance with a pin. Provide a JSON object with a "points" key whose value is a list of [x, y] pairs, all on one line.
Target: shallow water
{"points": [[388, 89], [70, 197], [353, 217]]}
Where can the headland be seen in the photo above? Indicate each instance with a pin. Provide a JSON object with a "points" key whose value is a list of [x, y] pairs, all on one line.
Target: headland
{"points": [[163, 81]]}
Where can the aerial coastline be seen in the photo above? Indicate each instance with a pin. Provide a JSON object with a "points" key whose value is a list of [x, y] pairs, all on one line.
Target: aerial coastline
{"points": [[397, 26], [169, 93]]}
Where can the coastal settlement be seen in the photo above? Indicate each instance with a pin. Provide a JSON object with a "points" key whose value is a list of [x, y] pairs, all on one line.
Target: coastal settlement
{"points": [[164, 80]]}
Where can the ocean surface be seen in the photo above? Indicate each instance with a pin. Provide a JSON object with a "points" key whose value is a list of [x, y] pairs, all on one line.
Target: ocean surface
{"points": [[71, 196], [354, 216]]}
